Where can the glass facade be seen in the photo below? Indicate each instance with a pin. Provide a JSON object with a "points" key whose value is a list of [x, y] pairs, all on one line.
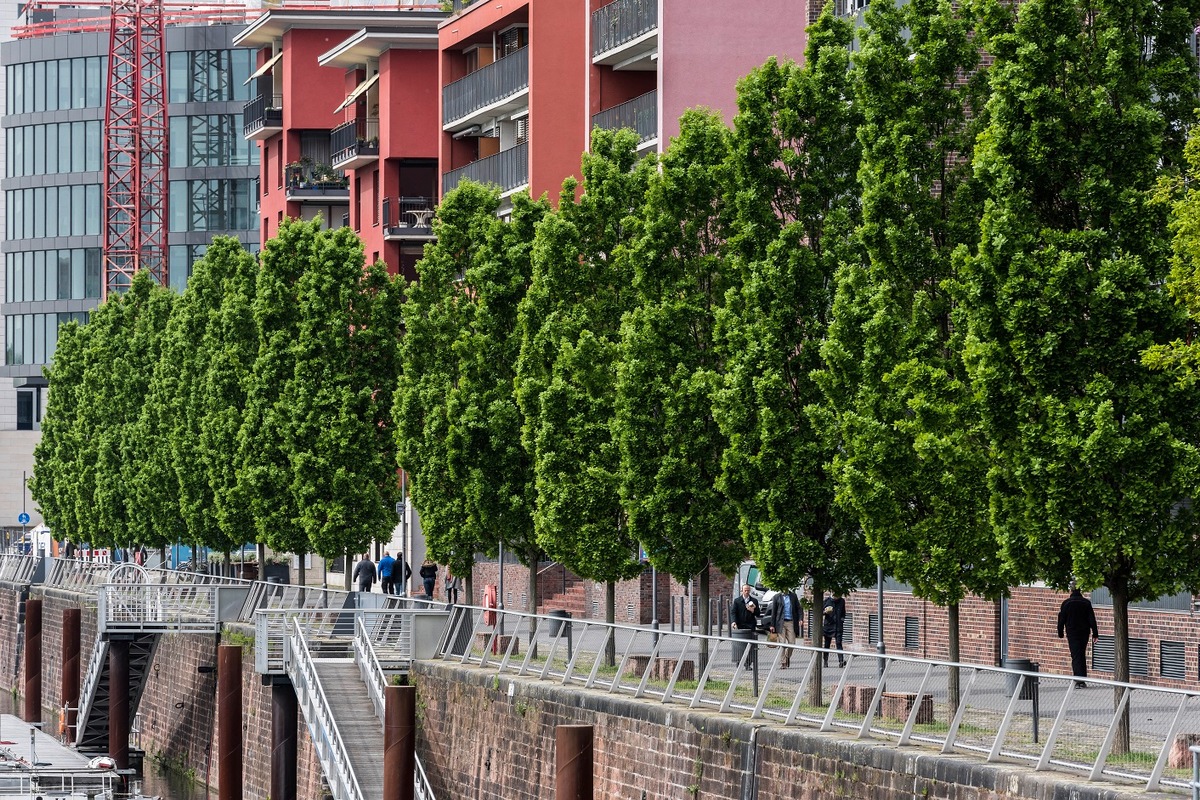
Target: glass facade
{"points": [[209, 76], [53, 171], [213, 140], [39, 275], [213, 205], [56, 85], [44, 211], [52, 148]]}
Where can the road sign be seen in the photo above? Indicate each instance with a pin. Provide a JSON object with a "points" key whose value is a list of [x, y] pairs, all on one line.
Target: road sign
{"points": [[23, 518]]}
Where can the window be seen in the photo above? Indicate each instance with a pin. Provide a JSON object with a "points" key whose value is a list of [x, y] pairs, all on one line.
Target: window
{"points": [[29, 409], [209, 76]]}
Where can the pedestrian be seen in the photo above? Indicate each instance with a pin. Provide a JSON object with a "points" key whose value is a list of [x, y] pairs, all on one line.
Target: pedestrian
{"points": [[452, 584], [428, 573], [743, 613], [401, 573], [364, 573], [833, 615], [386, 564], [1077, 619], [785, 622]]}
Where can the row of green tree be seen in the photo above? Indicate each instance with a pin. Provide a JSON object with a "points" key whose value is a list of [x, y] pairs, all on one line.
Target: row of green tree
{"points": [[255, 406], [911, 309]]}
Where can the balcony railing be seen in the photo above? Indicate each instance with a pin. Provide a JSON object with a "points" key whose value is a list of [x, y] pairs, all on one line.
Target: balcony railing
{"points": [[508, 169], [622, 21], [487, 85], [359, 137], [264, 111], [640, 114], [402, 216]]}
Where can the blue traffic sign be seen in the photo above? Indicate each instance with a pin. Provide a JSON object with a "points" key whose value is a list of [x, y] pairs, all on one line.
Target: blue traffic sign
{"points": [[23, 518]]}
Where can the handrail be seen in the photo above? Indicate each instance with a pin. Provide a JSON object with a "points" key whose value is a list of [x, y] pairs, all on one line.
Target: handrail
{"points": [[88, 689], [327, 742], [897, 698]]}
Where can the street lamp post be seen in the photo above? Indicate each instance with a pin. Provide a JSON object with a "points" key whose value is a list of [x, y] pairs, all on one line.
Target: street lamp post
{"points": [[879, 646], [500, 594]]}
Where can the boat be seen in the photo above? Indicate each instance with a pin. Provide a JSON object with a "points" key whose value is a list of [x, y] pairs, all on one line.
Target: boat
{"points": [[36, 766]]}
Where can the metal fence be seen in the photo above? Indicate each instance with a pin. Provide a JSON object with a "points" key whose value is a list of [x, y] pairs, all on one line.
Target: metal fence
{"points": [[489, 84], [640, 114], [621, 21], [1104, 731], [508, 169]]}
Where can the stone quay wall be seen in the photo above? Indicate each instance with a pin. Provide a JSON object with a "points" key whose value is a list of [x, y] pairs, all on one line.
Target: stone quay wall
{"points": [[478, 741]]}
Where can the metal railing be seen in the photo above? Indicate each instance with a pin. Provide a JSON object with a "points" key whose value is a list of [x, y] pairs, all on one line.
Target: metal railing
{"points": [[640, 114], [264, 111], [167, 608], [508, 169], [622, 21], [502, 78], [359, 136], [365, 637], [1105, 731], [87, 691], [406, 212], [328, 744]]}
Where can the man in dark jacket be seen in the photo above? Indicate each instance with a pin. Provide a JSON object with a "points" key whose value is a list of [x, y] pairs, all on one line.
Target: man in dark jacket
{"points": [[785, 621], [833, 616], [1077, 619], [364, 573], [743, 612]]}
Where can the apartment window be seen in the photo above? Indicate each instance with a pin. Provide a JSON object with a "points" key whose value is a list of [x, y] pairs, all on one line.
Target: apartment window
{"points": [[375, 197], [513, 40]]}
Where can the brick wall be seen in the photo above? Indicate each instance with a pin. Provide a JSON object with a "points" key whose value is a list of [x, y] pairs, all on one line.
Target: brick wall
{"points": [[477, 740]]}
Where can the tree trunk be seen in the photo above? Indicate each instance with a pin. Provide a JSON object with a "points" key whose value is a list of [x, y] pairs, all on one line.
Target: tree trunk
{"points": [[815, 692], [532, 560], [705, 623], [300, 570], [952, 645], [1120, 607], [468, 586], [610, 616]]}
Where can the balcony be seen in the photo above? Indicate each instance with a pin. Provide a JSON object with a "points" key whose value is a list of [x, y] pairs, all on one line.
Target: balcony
{"points": [[310, 182], [262, 117], [625, 35], [487, 92], [407, 218], [508, 169], [354, 144], [640, 114]]}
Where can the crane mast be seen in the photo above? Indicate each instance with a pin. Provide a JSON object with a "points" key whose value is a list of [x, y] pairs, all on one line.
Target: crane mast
{"points": [[135, 145]]}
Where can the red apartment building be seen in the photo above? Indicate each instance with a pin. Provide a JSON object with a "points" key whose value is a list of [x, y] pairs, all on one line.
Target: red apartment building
{"points": [[345, 113]]}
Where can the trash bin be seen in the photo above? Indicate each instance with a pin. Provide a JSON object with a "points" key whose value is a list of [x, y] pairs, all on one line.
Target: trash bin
{"points": [[558, 622], [1011, 681], [740, 639]]}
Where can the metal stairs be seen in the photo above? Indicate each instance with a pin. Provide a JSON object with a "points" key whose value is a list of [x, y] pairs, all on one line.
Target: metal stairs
{"points": [[92, 732]]}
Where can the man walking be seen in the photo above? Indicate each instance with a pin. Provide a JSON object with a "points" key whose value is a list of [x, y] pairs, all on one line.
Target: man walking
{"points": [[364, 573], [385, 573], [1077, 619], [785, 622], [833, 618]]}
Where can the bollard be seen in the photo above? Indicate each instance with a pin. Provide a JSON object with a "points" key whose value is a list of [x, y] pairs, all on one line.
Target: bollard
{"points": [[399, 742], [284, 715], [33, 660], [118, 702], [70, 671], [573, 762], [229, 721]]}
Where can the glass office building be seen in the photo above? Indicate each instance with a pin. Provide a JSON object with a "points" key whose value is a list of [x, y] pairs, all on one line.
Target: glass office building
{"points": [[55, 88]]}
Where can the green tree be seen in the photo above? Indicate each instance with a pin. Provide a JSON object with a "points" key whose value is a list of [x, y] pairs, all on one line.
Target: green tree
{"points": [[55, 482], [1094, 453], [669, 366], [569, 325], [794, 160], [343, 461], [264, 468], [231, 346], [913, 462], [435, 318]]}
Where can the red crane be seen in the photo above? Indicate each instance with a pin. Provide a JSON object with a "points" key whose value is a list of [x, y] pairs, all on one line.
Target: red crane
{"points": [[135, 145]]}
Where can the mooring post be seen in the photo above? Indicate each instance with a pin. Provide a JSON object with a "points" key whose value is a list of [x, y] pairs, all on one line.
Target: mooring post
{"points": [[70, 672], [284, 716], [399, 742], [33, 660], [573, 762], [118, 701], [229, 721]]}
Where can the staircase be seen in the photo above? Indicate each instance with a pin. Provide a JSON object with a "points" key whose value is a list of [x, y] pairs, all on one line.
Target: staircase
{"points": [[92, 731], [356, 721], [561, 589]]}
